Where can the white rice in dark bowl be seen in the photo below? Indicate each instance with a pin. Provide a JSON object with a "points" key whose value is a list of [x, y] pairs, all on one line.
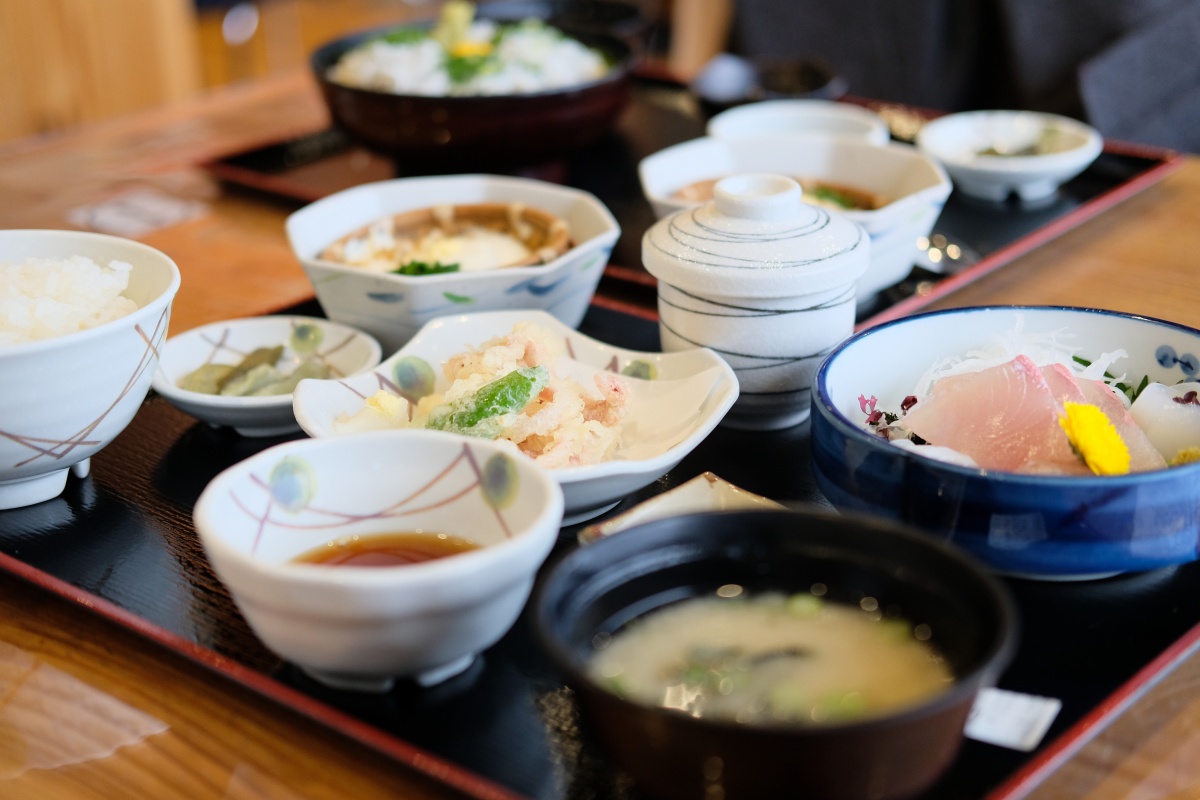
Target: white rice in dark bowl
{"points": [[45, 298]]}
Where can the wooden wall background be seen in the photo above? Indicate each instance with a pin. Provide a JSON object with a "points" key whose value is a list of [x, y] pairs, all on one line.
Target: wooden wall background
{"points": [[64, 62]]}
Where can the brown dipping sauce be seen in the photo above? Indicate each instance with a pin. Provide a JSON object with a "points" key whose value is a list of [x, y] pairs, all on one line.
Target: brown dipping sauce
{"points": [[386, 550]]}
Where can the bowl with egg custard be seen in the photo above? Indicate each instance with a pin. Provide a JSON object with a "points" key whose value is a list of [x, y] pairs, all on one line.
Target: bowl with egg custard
{"points": [[387, 257]]}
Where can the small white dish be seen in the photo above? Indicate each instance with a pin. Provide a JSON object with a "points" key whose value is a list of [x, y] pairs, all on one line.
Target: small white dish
{"points": [[358, 627], [705, 492], [799, 116], [345, 350], [668, 415], [964, 144], [393, 307], [912, 187]]}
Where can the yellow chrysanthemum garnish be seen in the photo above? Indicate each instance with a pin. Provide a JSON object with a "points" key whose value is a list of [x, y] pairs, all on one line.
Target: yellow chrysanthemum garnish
{"points": [[467, 49], [1187, 455], [1095, 439]]}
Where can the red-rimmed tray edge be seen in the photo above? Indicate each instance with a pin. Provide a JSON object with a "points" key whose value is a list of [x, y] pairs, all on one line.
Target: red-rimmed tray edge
{"points": [[453, 776], [422, 761], [1169, 161], [1025, 779]]}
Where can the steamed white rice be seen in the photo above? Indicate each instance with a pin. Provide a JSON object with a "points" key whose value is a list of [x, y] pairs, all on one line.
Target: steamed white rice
{"points": [[42, 298], [528, 58]]}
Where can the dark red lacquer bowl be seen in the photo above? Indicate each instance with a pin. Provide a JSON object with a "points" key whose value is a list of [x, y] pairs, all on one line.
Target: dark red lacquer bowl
{"points": [[459, 134]]}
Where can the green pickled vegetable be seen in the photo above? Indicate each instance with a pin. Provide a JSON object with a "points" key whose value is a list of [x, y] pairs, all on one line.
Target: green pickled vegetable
{"points": [[262, 356], [477, 414], [207, 379], [309, 368], [249, 381]]}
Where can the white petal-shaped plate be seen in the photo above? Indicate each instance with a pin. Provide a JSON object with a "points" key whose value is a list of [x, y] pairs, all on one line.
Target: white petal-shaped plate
{"points": [[668, 415]]}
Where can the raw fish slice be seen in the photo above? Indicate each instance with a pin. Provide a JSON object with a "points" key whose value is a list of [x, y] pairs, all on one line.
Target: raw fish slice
{"points": [[1004, 417], [1062, 383], [1143, 455], [1169, 424]]}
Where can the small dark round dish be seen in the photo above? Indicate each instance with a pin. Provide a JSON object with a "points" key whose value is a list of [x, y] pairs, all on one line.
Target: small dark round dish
{"points": [[729, 80], [602, 587], [460, 134]]}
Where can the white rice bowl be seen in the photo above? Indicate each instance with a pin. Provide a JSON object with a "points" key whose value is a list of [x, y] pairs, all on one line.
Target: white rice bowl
{"points": [[43, 298], [71, 390]]}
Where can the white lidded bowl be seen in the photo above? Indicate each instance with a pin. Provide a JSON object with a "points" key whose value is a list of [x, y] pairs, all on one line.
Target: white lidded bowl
{"points": [[669, 413], [913, 186], [956, 140], [344, 350], [765, 280], [361, 627], [799, 117], [66, 398], [393, 307]]}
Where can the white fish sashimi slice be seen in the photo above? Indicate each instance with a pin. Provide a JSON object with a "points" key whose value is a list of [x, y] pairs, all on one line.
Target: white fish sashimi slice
{"points": [[1143, 455], [1169, 425], [1003, 417]]}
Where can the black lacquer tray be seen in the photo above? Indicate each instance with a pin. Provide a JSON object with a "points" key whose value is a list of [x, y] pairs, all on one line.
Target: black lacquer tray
{"points": [[123, 540]]}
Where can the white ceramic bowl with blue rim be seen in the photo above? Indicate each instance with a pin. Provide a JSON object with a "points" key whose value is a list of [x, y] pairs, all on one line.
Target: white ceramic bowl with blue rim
{"points": [[799, 116], [1040, 526], [393, 307], [911, 186], [343, 350], [669, 414], [765, 280], [361, 627], [964, 143], [65, 398]]}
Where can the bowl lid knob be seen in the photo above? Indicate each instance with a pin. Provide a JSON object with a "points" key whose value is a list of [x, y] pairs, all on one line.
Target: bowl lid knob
{"points": [[757, 196]]}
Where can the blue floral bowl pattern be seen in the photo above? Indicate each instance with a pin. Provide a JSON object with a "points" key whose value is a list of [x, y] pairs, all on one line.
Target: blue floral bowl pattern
{"points": [[1048, 527]]}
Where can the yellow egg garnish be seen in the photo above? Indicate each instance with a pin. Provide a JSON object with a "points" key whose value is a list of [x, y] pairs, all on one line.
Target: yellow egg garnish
{"points": [[465, 49]]}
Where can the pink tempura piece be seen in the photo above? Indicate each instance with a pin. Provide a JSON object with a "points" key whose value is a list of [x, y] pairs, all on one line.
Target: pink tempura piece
{"points": [[1004, 417], [1143, 455], [613, 403]]}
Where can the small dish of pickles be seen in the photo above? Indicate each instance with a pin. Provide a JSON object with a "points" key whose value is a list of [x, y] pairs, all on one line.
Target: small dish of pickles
{"points": [[241, 373]]}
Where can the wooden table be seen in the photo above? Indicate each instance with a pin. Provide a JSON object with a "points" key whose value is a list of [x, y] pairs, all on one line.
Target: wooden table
{"points": [[89, 709]]}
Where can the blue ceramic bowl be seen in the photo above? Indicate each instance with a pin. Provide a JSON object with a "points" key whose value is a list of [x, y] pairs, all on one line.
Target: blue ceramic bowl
{"points": [[1047, 527]]}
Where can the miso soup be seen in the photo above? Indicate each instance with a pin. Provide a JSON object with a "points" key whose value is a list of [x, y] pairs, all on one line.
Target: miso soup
{"points": [[772, 659]]}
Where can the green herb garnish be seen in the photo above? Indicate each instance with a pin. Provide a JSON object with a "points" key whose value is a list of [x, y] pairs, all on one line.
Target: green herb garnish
{"points": [[831, 195], [463, 68], [476, 414], [424, 268], [405, 36]]}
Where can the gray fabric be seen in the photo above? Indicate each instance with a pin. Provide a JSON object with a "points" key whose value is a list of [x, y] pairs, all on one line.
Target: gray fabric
{"points": [[922, 52], [1146, 87], [1131, 67], [1045, 41]]}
